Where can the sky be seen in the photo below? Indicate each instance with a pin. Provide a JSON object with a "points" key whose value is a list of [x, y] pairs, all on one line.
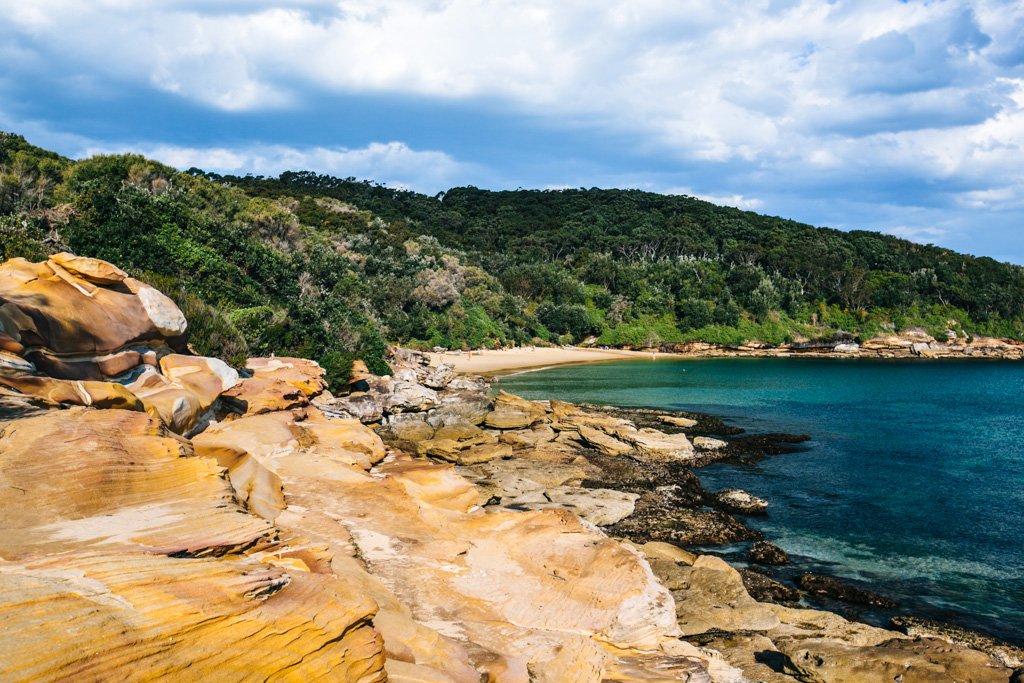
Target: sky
{"points": [[903, 117]]}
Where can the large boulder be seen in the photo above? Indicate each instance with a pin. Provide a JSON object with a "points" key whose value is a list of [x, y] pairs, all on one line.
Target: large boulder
{"points": [[78, 318], [513, 412], [716, 600], [738, 500], [604, 443], [305, 375]]}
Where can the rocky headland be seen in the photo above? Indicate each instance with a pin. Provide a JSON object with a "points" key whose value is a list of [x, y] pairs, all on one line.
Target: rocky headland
{"points": [[170, 517], [909, 343]]}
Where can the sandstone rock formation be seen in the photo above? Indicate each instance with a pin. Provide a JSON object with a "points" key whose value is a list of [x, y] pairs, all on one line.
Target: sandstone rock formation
{"points": [[169, 518], [283, 544]]}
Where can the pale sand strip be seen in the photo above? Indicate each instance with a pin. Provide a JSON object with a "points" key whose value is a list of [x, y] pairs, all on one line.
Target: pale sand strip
{"points": [[510, 360]]}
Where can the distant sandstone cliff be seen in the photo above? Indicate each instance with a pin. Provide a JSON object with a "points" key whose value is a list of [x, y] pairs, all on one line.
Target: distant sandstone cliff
{"points": [[168, 517]]}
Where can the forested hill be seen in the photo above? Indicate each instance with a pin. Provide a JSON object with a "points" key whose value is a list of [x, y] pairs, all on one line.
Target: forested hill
{"points": [[681, 255], [330, 268]]}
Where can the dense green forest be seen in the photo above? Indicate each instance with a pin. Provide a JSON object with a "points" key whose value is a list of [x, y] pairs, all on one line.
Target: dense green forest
{"points": [[336, 268]]}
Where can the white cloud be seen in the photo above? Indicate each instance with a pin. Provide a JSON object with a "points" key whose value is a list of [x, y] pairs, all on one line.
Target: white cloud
{"points": [[735, 200], [711, 80], [923, 234], [391, 163], [801, 94]]}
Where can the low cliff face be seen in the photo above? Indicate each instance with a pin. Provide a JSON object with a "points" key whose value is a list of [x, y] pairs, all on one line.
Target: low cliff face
{"points": [[169, 517]]}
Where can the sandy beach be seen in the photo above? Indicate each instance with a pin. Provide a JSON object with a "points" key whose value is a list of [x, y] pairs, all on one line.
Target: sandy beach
{"points": [[499, 361]]}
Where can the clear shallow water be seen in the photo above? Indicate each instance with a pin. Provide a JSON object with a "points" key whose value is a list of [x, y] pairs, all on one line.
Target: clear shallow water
{"points": [[913, 478]]}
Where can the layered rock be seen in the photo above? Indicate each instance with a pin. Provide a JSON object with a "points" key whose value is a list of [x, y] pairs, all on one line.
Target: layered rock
{"points": [[284, 540], [79, 318], [779, 644], [126, 555], [79, 331]]}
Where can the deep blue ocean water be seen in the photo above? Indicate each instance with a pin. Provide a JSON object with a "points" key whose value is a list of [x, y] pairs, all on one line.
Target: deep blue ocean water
{"points": [[913, 479]]}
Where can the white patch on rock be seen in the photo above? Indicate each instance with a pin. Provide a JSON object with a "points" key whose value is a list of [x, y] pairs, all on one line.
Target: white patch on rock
{"points": [[165, 314]]}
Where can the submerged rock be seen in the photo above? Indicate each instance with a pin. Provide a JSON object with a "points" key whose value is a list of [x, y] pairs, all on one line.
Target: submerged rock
{"points": [[766, 589], [763, 552], [681, 526]]}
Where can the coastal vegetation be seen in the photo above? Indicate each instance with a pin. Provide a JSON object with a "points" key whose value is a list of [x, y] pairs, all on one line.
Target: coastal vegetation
{"points": [[333, 269]]}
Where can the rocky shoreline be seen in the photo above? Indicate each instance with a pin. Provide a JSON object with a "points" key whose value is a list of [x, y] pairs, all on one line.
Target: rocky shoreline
{"points": [[911, 343], [655, 517], [768, 573], [173, 517]]}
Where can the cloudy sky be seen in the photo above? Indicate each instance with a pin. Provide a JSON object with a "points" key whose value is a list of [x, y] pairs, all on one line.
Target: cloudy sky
{"points": [[906, 117]]}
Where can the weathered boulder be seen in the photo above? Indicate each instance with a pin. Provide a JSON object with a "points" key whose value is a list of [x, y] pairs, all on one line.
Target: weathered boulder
{"points": [[484, 452], [513, 412], [602, 507], [738, 500], [305, 375], [658, 445], [708, 444], [529, 438], [255, 396], [462, 430], [408, 427], [77, 318], [667, 551], [395, 395], [360, 406], [716, 600], [677, 421], [184, 389], [474, 384], [461, 404], [604, 443], [70, 392], [439, 377]]}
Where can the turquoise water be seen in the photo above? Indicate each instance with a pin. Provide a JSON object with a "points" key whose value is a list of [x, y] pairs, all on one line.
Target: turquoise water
{"points": [[913, 479]]}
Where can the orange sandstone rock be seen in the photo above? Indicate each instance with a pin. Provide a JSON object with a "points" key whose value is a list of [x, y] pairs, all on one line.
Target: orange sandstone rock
{"points": [[305, 375], [80, 319]]}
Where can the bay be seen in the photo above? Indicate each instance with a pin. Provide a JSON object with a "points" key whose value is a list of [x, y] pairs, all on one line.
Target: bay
{"points": [[913, 479]]}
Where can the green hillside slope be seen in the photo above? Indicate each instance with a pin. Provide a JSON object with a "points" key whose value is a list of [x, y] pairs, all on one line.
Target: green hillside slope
{"points": [[332, 268]]}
